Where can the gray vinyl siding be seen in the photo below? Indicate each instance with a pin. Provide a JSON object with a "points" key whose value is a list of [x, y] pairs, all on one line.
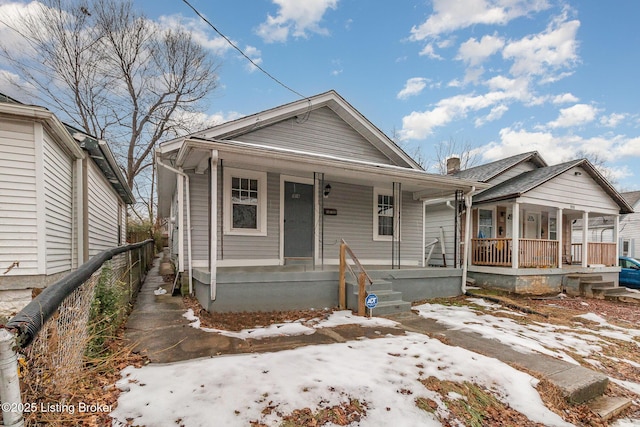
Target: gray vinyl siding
{"points": [[103, 212], [440, 216], [354, 224], [578, 190], [322, 132], [58, 194], [18, 197], [199, 194], [514, 171], [236, 247]]}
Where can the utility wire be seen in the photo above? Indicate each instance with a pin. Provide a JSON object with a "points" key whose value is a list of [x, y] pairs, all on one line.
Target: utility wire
{"points": [[244, 54]]}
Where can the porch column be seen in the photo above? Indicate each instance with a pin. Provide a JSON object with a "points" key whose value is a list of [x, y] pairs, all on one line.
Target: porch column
{"points": [[180, 221], [515, 236], [213, 230], [559, 236], [616, 235], [585, 239]]}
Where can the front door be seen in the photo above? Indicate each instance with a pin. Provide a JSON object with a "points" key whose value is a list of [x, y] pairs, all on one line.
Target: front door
{"points": [[531, 225], [298, 220]]}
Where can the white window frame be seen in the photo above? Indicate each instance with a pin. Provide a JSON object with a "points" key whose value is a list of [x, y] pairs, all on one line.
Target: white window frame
{"points": [[261, 214], [381, 192], [493, 222]]}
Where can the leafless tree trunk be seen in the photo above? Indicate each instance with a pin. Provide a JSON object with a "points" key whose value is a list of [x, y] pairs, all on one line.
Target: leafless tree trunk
{"points": [[113, 73]]}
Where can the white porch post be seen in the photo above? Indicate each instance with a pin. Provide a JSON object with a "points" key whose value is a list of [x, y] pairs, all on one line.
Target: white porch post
{"points": [[213, 251], [515, 236], [616, 235], [585, 239], [180, 220], [559, 236]]}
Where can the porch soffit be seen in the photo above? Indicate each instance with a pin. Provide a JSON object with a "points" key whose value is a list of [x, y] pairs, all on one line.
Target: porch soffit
{"points": [[194, 154]]}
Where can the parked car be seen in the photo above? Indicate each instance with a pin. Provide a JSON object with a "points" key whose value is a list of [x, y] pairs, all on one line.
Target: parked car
{"points": [[629, 272]]}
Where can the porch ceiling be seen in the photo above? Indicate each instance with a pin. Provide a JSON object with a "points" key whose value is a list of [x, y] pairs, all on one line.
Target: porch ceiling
{"points": [[194, 155]]}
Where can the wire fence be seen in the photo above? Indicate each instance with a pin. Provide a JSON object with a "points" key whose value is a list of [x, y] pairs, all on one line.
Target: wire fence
{"points": [[50, 337]]}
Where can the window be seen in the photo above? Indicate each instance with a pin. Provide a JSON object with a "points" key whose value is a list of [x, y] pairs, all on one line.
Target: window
{"points": [[625, 247], [553, 229], [382, 216], [245, 202], [485, 223]]}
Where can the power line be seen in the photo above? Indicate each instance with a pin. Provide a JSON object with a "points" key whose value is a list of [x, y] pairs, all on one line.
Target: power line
{"points": [[242, 53]]}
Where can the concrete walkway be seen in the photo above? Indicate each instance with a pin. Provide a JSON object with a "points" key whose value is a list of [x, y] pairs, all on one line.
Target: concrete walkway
{"points": [[158, 330]]}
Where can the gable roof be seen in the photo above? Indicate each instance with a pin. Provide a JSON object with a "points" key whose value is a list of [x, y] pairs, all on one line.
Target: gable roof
{"points": [[488, 171], [527, 181], [632, 197], [301, 109]]}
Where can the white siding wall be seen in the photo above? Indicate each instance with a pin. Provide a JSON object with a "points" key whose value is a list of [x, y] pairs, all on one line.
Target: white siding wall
{"points": [[103, 212], [578, 190], [58, 194], [18, 198], [323, 132], [630, 229], [440, 216]]}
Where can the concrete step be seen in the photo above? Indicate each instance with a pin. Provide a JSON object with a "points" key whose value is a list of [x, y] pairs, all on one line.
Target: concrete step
{"points": [[607, 407], [628, 297], [587, 285], [391, 307], [600, 292], [387, 296], [380, 285], [571, 283]]}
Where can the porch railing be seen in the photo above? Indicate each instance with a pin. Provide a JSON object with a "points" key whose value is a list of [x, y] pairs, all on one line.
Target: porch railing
{"points": [[362, 277], [498, 252], [600, 253]]}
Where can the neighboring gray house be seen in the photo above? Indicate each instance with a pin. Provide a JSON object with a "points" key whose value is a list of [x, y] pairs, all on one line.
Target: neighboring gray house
{"points": [[62, 200], [258, 207], [629, 231], [521, 233]]}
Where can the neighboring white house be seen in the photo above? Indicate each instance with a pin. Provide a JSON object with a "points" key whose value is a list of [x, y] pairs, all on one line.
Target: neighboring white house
{"points": [[62, 200], [523, 227], [258, 207], [629, 233]]}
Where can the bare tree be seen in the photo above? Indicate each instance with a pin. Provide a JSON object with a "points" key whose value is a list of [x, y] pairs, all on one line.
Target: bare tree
{"points": [[112, 72], [454, 148], [600, 164]]}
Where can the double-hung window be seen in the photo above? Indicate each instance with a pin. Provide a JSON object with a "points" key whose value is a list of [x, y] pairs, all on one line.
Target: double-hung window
{"points": [[485, 224], [245, 202], [383, 215]]}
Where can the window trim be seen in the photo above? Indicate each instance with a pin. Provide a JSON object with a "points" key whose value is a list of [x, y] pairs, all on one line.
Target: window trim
{"points": [[261, 215], [381, 192], [493, 222]]}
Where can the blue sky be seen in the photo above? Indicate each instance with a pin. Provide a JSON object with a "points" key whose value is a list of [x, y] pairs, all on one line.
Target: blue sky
{"points": [[499, 76]]}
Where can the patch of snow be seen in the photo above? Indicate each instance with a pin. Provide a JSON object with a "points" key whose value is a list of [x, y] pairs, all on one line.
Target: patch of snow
{"points": [[160, 291]]}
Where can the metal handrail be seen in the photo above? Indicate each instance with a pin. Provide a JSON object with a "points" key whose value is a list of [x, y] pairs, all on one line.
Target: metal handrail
{"points": [[30, 320]]}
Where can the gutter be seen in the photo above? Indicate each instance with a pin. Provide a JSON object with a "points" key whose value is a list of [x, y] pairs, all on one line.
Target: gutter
{"points": [[186, 177], [468, 198]]}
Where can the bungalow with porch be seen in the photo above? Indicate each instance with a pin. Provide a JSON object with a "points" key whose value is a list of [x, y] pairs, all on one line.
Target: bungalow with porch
{"points": [[521, 226], [258, 208]]}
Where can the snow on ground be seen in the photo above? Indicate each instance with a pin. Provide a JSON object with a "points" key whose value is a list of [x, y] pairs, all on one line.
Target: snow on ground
{"points": [[298, 327], [383, 373]]}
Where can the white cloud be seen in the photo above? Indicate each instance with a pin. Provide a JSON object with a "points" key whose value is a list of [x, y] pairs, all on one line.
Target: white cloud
{"points": [[296, 18], [551, 50], [576, 115], [612, 120], [495, 113], [413, 86], [564, 98], [429, 51], [255, 55], [474, 52], [450, 15], [199, 31]]}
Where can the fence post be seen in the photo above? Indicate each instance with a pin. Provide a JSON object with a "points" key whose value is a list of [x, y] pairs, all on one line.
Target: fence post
{"points": [[9, 381], [342, 296], [361, 294]]}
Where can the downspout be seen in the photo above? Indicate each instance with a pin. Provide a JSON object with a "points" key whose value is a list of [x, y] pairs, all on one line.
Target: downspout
{"points": [[186, 177], [467, 240], [213, 251]]}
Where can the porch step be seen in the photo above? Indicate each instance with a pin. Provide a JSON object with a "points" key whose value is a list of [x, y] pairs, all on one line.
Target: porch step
{"points": [[389, 301], [596, 288], [623, 294], [607, 407]]}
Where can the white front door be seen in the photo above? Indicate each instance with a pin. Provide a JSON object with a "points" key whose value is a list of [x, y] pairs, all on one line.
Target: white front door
{"points": [[531, 225]]}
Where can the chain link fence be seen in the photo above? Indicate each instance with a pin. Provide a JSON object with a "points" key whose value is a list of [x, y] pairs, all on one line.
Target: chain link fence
{"points": [[52, 335]]}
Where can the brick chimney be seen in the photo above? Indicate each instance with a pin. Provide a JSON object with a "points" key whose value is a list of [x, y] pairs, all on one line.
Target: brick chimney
{"points": [[453, 165]]}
